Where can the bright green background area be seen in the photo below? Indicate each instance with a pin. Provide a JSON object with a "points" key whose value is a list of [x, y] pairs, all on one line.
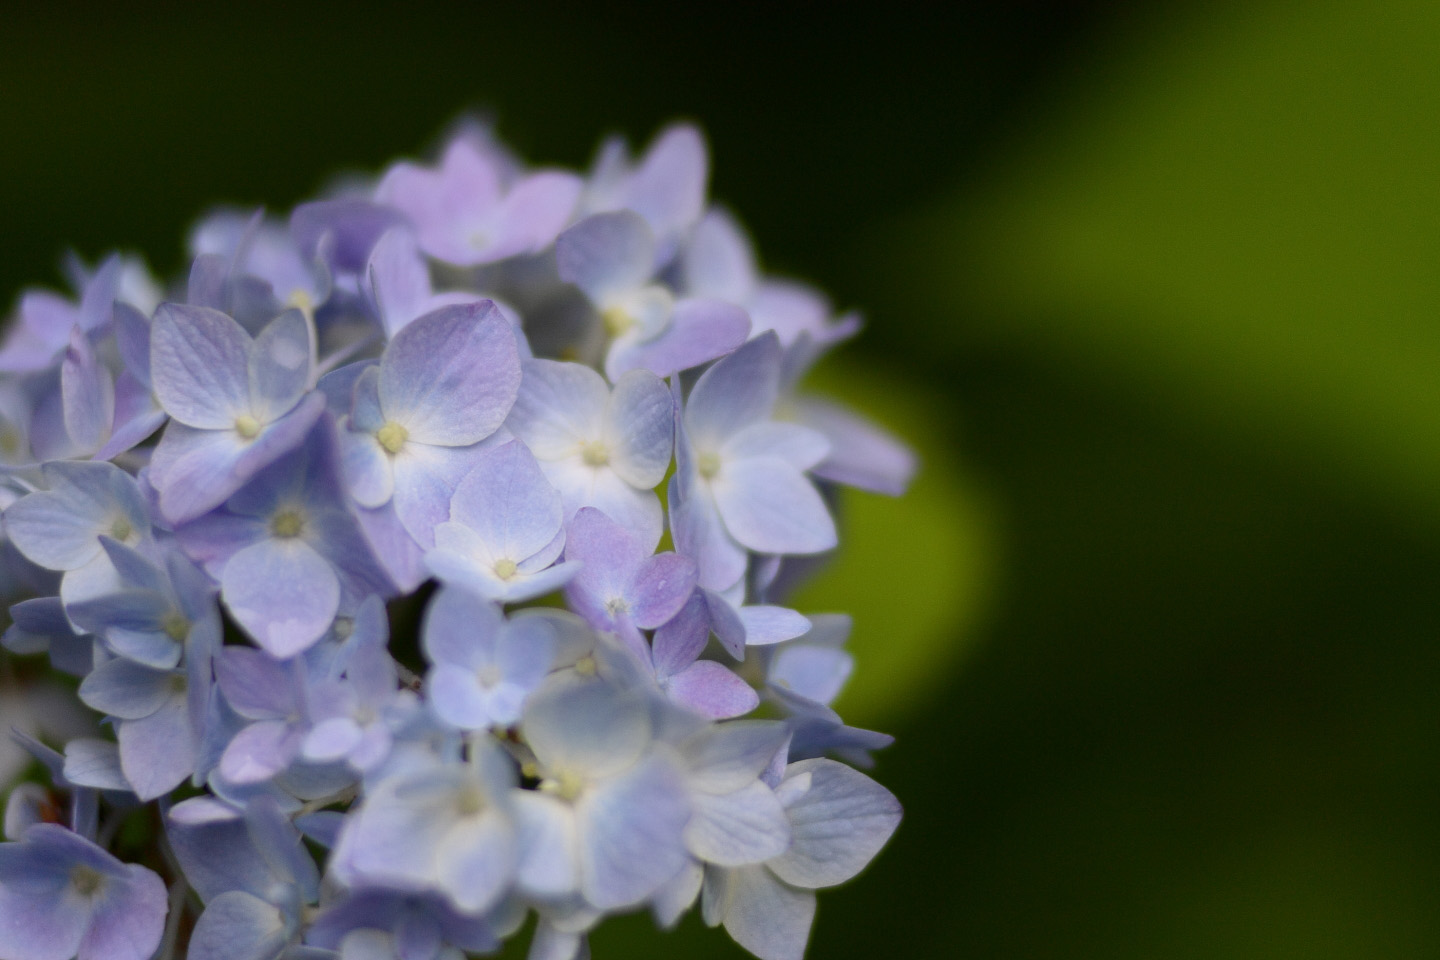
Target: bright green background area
{"points": [[1155, 293]]}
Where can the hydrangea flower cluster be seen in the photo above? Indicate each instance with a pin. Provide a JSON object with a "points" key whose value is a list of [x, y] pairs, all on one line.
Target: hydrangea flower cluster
{"points": [[548, 424]]}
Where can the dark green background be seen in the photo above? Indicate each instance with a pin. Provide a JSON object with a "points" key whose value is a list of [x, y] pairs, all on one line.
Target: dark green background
{"points": [[1111, 250]]}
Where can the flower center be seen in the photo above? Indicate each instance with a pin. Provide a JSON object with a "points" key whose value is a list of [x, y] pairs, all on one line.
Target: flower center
{"points": [[121, 529], [87, 881], [287, 524], [563, 784], [470, 801], [617, 320], [505, 568], [594, 453], [175, 625], [585, 666], [247, 426], [708, 465], [392, 436], [489, 676]]}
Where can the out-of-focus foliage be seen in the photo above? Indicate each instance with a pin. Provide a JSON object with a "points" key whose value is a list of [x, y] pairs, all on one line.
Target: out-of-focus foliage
{"points": [[1237, 212]]}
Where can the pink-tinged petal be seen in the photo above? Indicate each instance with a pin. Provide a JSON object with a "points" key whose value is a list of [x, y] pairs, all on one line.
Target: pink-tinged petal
{"points": [[280, 363], [711, 689], [736, 392], [88, 392], [769, 507], [606, 254], [718, 260], [198, 366], [661, 585], [798, 446], [283, 593], [609, 553], [640, 429], [451, 377], [559, 407], [699, 331]]}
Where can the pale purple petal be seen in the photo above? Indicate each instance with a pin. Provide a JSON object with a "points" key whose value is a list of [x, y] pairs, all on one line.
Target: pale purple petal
{"points": [[630, 834], [591, 729], [718, 260], [158, 752], [668, 186], [283, 593], [509, 503], [259, 752], [711, 689], [734, 393], [534, 211], [861, 453], [769, 507], [738, 828], [700, 330], [765, 916], [89, 394], [560, 406], [238, 926], [606, 253], [397, 279], [198, 365], [548, 851], [798, 446], [369, 475], [129, 924], [256, 685], [451, 376], [839, 824], [640, 428], [816, 673], [765, 624], [280, 363], [426, 478], [125, 689], [659, 588]]}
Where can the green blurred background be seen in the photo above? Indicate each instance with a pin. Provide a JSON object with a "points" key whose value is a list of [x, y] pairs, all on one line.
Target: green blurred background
{"points": [[1154, 289]]}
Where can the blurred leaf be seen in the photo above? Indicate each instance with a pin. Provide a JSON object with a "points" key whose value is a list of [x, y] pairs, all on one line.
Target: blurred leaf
{"points": [[914, 570], [1236, 215]]}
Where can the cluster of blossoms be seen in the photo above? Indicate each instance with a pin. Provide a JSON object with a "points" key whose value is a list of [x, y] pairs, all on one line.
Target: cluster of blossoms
{"points": [[551, 420]]}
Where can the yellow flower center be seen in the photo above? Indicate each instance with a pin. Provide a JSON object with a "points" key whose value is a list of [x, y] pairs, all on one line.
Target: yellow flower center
{"points": [[175, 625], [392, 436], [87, 881], [563, 784], [505, 568], [121, 529], [247, 426], [594, 453], [585, 666], [617, 320], [708, 465], [287, 524]]}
